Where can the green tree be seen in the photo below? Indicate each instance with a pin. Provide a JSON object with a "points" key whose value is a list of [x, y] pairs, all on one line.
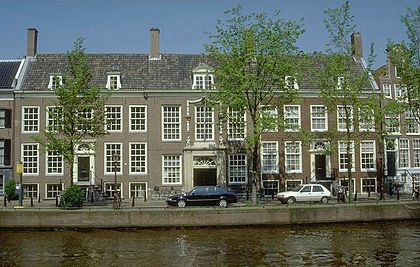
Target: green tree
{"points": [[406, 57], [346, 89], [79, 109], [253, 54]]}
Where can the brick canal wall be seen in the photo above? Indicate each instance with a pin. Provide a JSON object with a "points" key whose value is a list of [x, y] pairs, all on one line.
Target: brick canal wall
{"points": [[204, 217]]}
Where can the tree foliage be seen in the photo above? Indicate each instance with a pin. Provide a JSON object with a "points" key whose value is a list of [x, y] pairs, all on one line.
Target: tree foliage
{"points": [[346, 87], [253, 53], [79, 109], [406, 57]]}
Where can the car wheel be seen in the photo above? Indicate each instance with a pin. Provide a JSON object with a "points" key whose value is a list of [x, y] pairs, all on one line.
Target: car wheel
{"points": [[181, 203], [291, 200], [223, 203], [324, 200]]}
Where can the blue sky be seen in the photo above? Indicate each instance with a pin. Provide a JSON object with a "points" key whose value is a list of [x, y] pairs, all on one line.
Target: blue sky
{"points": [[111, 26]]}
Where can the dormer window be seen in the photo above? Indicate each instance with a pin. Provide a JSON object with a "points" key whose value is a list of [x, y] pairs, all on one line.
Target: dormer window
{"points": [[55, 82], [290, 82], [203, 77], [113, 82], [203, 81]]}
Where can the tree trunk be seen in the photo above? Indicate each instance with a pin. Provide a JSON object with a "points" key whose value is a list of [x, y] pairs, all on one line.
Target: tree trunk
{"points": [[255, 174]]}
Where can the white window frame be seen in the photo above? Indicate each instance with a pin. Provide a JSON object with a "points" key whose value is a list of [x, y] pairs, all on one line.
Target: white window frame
{"points": [[289, 154], [396, 72], [35, 171], [236, 125], [175, 131], [30, 193], [110, 84], [55, 191], [288, 116], [264, 153], [238, 168], [138, 191], [388, 91], [131, 165], [204, 130], [108, 158], [340, 82], [393, 129], [369, 125], [341, 152], [138, 117], [353, 182], [362, 185], [114, 121], [167, 167], [271, 111], [203, 80], [403, 152], [341, 120], [35, 122], [53, 84], [325, 118], [50, 124], [288, 80], [56, 162], [367, 155], [416, 152], [109, 188], [412, 127], [400, 93]]}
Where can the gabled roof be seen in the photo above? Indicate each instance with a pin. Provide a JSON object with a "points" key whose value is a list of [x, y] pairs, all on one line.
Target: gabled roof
{"points": [[137, 72], [8, 71]]}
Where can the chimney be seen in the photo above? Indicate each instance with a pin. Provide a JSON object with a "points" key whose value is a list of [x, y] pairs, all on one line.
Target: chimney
{"points": [[31, 42], [356, 45], [154, 44]]}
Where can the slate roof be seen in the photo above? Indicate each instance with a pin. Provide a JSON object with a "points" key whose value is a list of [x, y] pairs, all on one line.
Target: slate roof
{"points": [[137, 72], [8, 70]]}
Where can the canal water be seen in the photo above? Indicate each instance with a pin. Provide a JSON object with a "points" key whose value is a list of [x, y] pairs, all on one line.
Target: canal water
{"points": [[371, 244]]}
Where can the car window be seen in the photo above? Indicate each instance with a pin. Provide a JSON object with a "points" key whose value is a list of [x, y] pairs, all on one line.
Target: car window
{"points": [[220, 190], [297, 188], [211, 189], [199, 191], [317, 188], [306, 189]]}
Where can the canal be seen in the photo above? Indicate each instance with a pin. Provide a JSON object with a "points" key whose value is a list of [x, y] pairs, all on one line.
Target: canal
{"points": [[370, 244]]}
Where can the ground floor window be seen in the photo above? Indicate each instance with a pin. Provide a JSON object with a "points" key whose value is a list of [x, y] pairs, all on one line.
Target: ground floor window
{"points": [[1, 184], [345, 183], [368, 185], [54, 190], [270, 187], [138, 190], [290, 184], [171, 168], [237, 168], [109, 189], [30, 190]]}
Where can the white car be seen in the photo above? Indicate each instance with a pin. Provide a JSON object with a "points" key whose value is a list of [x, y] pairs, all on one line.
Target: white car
{"points": [[305, 192]]}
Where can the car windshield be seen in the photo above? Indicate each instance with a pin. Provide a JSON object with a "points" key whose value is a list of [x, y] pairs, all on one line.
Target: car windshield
{"points": [[297, 188]]}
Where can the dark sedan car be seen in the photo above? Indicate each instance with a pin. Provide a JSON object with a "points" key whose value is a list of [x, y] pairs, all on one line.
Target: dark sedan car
{"points": [[203, 195]]}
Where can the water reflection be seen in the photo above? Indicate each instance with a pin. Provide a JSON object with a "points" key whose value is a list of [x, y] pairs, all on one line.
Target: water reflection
{"points": [[378, 244]]}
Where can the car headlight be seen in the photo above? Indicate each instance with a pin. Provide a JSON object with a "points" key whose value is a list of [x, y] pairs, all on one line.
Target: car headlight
{"points": [[281, 196]]}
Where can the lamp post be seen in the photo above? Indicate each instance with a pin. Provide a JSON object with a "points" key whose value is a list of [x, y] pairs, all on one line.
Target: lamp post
{"points": [[115, 157]]}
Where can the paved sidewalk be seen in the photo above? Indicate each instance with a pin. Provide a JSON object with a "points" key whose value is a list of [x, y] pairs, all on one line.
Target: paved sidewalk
{"points": [[140, 203]]}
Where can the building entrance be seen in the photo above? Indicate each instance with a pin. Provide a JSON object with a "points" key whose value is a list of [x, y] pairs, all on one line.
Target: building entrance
{"points": [[205, 176], [320, 170]]}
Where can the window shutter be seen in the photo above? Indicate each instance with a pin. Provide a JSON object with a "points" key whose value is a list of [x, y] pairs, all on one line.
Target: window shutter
{"points": [[8, 118], [7, 152]]}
